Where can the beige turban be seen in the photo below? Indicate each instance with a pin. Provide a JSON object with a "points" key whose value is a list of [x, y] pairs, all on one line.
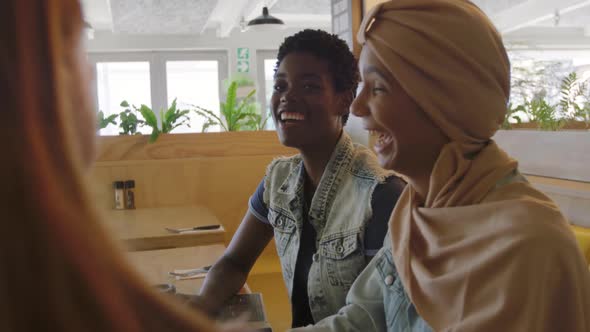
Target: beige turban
{"points": [[449, 58], [483, 252]]}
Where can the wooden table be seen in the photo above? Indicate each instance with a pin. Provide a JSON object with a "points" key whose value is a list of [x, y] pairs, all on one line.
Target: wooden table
{"points": [[144, 229], [154, 265]]}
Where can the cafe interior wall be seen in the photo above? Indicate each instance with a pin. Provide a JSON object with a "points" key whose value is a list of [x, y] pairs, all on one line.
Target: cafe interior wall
{"points": [[107, 42]]}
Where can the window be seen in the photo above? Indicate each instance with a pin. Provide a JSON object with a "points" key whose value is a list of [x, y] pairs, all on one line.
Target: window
{"points": [[538, 74], [266, 70], [193, 83], [155, 79], [118, 81]]}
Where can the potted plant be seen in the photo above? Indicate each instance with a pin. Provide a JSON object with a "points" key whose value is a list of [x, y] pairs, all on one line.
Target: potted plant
{"points": [[235, 114], [104, 122], [172, 118], [549, 147], [240, 119], [575, 100], [129, 120]]}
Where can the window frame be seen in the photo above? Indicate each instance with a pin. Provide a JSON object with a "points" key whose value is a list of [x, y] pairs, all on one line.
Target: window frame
{"points": [[262, 55], [158, 77]]}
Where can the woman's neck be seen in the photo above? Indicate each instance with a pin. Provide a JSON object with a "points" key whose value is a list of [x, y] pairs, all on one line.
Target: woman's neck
{"points": [[420, 183], [419, 176], [316, 158]]}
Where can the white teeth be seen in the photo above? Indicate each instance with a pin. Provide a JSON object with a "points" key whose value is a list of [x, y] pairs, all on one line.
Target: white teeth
{"points": [[292, 116]]}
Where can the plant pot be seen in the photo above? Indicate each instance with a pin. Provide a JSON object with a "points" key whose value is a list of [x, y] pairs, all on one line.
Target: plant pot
{"points": [[576, 125], [558, 154], [568, 125], [525, 125]]}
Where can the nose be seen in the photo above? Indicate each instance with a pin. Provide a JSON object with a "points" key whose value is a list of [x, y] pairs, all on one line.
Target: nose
{"points": [[288, 96], [359, 105]]}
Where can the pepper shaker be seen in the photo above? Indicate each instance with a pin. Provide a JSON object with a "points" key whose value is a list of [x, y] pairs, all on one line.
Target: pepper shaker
{"points": [[130, 194]]}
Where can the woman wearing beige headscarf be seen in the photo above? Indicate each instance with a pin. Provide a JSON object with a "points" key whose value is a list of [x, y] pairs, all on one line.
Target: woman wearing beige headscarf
{"points": [[474, 247]]}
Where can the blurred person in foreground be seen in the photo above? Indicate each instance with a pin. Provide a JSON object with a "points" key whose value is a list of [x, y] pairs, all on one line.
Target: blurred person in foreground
{"points": [[59, 270]]}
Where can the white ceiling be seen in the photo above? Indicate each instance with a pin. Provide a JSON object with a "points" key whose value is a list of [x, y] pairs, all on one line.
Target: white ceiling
{"points": [[302, 7], [566, 20], [495, 6], [157, 16], [196, 16]]}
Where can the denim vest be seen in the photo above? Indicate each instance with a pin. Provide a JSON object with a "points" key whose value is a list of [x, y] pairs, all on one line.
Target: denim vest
{"points": [[378, 300], [401, 313], [339, 210]]}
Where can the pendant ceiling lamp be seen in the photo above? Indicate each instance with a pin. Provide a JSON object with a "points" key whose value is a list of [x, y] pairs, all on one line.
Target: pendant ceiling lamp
{"points": [[265, 20]]}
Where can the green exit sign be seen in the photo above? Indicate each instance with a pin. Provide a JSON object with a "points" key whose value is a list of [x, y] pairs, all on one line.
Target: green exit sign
{"points": [[243, 53]]}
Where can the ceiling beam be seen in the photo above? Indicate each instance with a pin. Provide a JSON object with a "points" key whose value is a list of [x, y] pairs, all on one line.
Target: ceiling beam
{"points": [[548, 37], [533, 12], [98, 14], [226, 16]]}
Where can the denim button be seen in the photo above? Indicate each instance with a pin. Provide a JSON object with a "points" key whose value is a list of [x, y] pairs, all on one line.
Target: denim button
{"points": [[315, 257], [389, 280], [339, 249]]}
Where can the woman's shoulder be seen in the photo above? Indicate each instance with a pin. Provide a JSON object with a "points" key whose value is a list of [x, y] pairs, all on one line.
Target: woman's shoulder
{"points": [[283, 162], [532, 218], [364, 163]]}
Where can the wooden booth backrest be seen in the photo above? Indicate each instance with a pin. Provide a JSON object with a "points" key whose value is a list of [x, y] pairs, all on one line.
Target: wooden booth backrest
{"points": [[216, 170]]}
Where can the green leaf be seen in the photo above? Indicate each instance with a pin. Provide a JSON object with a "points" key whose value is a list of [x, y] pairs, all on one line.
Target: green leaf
{"points": [[169, 117], [124, 103], [230, 103], [149, 116], [129, 122], [517, 118], [154, 135], [246, 102], [210, 117], [206, 125]]}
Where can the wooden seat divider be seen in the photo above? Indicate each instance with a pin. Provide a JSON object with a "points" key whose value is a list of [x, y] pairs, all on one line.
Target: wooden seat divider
{"points": [[216, 171]]}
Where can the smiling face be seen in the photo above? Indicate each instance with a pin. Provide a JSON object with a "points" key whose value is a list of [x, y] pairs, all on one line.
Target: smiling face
{"points": [[306, 109], [407, 140]]}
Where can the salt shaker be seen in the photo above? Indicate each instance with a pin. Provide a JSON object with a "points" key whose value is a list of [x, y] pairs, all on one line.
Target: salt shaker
{"points": [[119, 187]]}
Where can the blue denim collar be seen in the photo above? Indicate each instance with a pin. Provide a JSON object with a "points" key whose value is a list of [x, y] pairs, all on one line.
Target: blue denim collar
{"points": [[328, 187]]}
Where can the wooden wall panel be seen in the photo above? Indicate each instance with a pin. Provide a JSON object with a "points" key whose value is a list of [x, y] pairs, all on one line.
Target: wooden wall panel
{"points": [[561, 154], [217, 170], [572, 197], [230, 182], [174, 182], [173, 146]]}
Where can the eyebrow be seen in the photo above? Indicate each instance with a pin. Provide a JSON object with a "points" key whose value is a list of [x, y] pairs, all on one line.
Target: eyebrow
{"points": [[373, 69], [304, 76]]}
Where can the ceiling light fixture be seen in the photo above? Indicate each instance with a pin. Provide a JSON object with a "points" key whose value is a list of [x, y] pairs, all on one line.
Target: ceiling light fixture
{"points": [[265, 20]]}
